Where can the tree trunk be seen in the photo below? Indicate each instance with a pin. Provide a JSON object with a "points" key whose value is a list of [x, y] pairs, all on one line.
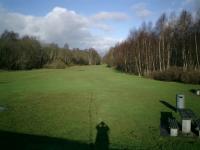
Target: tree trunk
{"points": [[197, 55], [168, 56], [159, 53]]}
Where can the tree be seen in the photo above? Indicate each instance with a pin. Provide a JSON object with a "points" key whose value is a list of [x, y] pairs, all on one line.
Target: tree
{"points": [[172, 41], [27, 53], [66, 46]]}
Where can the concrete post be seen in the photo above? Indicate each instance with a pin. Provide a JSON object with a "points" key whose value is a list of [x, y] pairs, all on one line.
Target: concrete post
{"points": [[173, 132], [186, 126], [198, 92]]}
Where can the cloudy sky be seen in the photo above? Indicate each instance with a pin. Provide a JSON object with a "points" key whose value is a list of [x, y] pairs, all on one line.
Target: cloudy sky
{"points": [[84, 23]]}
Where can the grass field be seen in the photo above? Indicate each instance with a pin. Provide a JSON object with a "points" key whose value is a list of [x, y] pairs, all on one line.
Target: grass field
{"points": [[68, 104]]}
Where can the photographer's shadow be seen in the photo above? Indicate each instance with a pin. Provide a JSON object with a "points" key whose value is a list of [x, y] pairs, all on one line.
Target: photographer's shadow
{"points": [[102, 137]]}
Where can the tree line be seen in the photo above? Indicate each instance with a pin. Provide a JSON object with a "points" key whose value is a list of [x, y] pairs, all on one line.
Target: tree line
{"points": [[172, 42], [18, 53]]}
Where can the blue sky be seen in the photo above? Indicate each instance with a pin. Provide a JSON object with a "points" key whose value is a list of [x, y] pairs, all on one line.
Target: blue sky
{"points": [[84, 23]]}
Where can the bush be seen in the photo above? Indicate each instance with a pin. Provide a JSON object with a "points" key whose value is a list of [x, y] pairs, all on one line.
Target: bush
{"points": [[191, 77], [178, 75], [172, 74], [57, 64]]}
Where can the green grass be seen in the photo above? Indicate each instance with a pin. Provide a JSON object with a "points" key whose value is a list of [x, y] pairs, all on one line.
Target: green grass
{"points": [[56, 102]]}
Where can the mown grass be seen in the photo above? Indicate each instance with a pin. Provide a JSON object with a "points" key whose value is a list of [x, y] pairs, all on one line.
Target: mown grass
{"points": [[57, 102]]}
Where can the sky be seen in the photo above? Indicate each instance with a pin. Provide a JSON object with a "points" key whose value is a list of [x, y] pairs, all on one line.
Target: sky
{"points": [[84, 23]]}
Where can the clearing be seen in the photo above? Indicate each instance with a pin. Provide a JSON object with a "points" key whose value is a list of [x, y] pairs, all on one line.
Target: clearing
{"points": [[67, 104]]}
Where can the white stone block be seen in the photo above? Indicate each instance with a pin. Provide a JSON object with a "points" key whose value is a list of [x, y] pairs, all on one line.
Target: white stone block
{"points": [[198, 92], [173, 132], [186, 126]]}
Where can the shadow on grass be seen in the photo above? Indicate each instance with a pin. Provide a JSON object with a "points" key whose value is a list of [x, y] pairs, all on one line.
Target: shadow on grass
{"points": [[14, 141], [102, 137], [196, 126], [11, 140], [164, 126], [194, 130], [193, 91], [168, 105]]}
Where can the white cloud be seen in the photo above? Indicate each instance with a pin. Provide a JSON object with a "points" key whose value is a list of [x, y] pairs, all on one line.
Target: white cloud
{"points": [[116, 16], [191, 5], [60, 25], [103, 27], [104, 43], [140, 9], [188, 1]]}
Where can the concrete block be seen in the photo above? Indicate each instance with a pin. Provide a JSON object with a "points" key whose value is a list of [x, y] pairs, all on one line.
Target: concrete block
{"points": [[198, 92], [173, 132], [186, 126]]}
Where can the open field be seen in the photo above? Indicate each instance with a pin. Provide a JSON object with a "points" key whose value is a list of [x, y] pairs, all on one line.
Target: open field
{"points": [[68, 103]]}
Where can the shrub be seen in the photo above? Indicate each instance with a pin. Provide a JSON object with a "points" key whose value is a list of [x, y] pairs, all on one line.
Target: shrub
{"points": [[191, 77], [57, 64], [172, 74], [178, 75]]}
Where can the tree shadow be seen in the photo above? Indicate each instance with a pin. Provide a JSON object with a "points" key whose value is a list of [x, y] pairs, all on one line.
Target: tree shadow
{"points": [[168, 105], [12, 140], [102, 137], [164, 125], [193, 91], [20, 141]]}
